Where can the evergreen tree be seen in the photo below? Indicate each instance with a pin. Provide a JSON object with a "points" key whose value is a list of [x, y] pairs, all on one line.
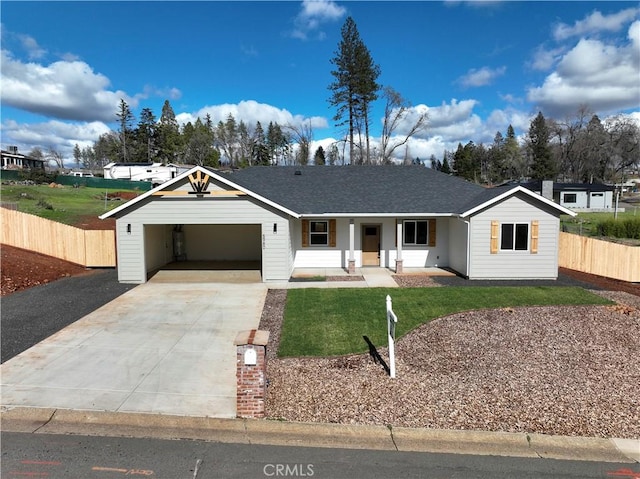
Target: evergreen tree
{"points": [[277, 143], [107, 149], [515, 161], [496, 171], [169, 138], [199, 143], [318, 157], [125, 119], [259, 150], [542, 166], [146, 136], [355, 85], [595, 140]]}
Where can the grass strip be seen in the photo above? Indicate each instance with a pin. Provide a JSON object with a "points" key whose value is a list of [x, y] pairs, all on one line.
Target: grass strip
{"points": [[327, 322]]}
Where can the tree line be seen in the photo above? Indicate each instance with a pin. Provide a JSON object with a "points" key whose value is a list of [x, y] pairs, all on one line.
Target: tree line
{"points": [[238, 144], [582, 149], [578, 149]]}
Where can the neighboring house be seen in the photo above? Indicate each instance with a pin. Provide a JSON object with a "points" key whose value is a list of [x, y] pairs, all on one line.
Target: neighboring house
{"points": [[156, 173], [12, 160], [576, 196], [282, 218]]}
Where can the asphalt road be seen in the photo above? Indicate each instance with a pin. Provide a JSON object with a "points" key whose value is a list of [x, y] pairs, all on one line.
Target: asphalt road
{"points": [[34, 314], [88, 457]]}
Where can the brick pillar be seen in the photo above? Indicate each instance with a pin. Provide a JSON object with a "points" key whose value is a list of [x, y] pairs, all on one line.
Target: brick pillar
{"points": [[352, 266], [251, 373], [398, 266]]}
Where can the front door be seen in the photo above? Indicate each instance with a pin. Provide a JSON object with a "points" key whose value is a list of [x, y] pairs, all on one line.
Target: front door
{"points": [[371, 245]]}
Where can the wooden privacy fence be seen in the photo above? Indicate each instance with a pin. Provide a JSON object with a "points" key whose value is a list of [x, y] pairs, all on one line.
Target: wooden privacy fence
{"points": [[599, 257], [90, 248]]}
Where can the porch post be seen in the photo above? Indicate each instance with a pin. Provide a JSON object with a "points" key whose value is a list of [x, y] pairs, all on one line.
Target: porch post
{"points": [[399, 238], [351, 268]]}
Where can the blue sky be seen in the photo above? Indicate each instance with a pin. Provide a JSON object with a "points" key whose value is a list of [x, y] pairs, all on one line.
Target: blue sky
{"points": [[473, 67]]}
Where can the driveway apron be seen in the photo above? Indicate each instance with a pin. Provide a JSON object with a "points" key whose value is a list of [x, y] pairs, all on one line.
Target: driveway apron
{"points": [[163, 348]]}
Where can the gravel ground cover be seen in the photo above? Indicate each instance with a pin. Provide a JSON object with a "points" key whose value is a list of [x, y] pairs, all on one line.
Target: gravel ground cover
{"points": [[569, 370]]}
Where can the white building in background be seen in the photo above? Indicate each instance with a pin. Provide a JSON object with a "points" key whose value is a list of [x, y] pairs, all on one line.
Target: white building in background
{"points": [[11, 159], [155, 173]]}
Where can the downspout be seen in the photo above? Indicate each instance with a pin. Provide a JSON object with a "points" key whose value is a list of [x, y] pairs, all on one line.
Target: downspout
{"points": [[468, 223], [399, 239]]}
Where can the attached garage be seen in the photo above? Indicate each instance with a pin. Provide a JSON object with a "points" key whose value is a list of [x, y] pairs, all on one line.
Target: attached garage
{"points": [[201, 221], [210, 246]]}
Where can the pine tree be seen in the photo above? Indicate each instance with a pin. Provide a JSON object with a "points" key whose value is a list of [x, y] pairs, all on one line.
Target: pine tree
{"points": [[319, 157], [169, 138], [355, 85], [542, 166], [125, 119], [146, 136]]}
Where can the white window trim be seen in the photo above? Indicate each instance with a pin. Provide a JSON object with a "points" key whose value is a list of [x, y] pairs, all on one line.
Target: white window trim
{"points": [[312, 233], [404, 230], [513, 245]]}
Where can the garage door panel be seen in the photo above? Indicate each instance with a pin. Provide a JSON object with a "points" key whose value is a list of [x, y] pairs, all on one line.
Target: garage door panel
{"points": [[223, 242]]}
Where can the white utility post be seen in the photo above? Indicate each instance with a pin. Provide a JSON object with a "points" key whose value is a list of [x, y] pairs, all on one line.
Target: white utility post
{"points": [[392, 319]]}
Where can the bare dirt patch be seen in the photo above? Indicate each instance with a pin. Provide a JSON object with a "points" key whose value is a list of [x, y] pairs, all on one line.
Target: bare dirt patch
{"points": [[21, 269]]}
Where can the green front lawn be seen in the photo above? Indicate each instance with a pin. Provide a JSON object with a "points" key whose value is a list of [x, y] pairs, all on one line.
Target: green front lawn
{"points": [[327, 322]]}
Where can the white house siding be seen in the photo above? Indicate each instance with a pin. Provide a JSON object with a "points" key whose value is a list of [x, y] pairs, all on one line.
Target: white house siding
{"points": [[338, 256], [202, 211], [600, 200], [158, 246], [321, 256], [130, 246], [422, 256], [514, 264], [458, 231], [582, 199]]}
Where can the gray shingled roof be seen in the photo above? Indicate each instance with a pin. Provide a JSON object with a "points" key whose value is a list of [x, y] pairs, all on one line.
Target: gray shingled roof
{"points": [[362, 189]]}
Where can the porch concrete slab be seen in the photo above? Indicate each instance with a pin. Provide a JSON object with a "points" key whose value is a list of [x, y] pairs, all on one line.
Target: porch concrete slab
{"points": [[378, 278], [164, 348]]}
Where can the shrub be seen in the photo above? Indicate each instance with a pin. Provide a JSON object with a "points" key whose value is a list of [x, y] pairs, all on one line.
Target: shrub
{"points": [[45, 205], [627, 228], [37, 176]]}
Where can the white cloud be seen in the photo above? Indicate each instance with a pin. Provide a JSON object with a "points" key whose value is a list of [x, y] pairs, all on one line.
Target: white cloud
{"points": [[602, 76], [595, 23], [59, 135], [312, 15], [544, 60], [481, 77], [250, 111], [30, 44], [66, 90], [448, 114]]}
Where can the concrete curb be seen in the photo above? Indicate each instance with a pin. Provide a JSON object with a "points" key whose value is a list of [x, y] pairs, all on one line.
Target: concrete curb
{"points": [[248, 431]]}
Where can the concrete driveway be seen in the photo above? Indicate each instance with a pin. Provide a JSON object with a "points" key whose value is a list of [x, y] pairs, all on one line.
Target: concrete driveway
{"points": [[162, 347]]}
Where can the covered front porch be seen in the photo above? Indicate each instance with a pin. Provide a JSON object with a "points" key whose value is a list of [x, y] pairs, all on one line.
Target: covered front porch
{"points": [[411, 244]]}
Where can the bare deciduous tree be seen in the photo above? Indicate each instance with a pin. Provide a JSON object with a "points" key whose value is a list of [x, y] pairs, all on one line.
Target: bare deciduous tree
{"points": [[55, 156], [396, 115]]}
